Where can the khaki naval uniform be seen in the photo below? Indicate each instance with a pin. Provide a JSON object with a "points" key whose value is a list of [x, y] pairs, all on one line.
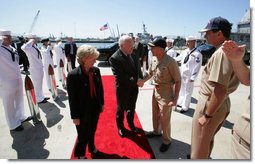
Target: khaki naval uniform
{"points": [[218, 70], [165, 73], [241, 134]]}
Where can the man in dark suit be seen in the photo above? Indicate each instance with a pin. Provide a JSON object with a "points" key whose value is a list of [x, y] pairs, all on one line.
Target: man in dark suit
{"points": [[70, 51], [86, 99], [127, 70]]}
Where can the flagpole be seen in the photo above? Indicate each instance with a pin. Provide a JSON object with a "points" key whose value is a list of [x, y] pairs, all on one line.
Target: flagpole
{"points": [[118, 31], [113, 33], [109, 29]]}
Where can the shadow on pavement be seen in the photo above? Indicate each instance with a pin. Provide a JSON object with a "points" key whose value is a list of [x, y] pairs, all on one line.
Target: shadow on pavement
{"points": [[62, 96], [52, 112], [177, 150], [193, 100], [191, 112], [29, 143]]}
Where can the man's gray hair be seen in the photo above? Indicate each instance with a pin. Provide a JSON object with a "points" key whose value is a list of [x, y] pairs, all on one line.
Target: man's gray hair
{"points": [[123, 39]]}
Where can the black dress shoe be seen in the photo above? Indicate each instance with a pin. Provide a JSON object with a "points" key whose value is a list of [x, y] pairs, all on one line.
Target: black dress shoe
{"points": [[19, 128], [177, 107], [96, 154], [134, 129], [27, 119], [182, 111], [152, 134], [121, 133], [82, 157], [164, 147], [44, 101], [46, 98]]}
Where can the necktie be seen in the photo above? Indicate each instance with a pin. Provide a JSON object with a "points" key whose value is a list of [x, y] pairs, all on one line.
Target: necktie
{"points": [[131, 60], [92, 85], [51, 54], [39, 53], [71, 48], [187, 57]]}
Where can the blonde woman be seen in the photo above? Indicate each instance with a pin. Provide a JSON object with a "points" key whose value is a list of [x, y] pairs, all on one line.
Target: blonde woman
{"points": [[86, 99]]}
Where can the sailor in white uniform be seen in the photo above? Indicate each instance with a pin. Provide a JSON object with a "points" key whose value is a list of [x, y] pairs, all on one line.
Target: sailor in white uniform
{"points": [[47, 59], [1, 40], [36, 66], [190, 67], [150, 56], [11, 84], [170, 49], [59, 55]]}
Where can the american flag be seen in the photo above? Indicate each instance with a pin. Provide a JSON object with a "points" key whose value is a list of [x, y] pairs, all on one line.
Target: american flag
{"points": [[104, 27]]}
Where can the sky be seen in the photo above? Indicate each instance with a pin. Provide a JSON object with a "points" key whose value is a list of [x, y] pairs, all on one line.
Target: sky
{"points": [[83, 18]]}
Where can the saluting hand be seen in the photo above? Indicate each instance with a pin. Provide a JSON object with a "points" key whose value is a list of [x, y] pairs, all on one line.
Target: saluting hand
{"points": [[233, 51]]}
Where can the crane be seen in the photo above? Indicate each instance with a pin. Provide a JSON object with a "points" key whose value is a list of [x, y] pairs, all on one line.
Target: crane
{"points": [[34, 22]]}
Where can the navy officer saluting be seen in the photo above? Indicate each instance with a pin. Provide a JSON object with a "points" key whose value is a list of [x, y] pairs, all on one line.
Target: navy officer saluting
{"points": [[11, 84]]}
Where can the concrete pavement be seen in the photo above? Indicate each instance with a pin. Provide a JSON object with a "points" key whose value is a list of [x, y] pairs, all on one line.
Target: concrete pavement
{"points": [[54, 138]]}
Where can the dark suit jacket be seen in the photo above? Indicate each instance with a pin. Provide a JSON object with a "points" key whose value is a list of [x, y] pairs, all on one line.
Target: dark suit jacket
{"points": [[126, 75], [79, 95], [68, 48], [138, 50]]}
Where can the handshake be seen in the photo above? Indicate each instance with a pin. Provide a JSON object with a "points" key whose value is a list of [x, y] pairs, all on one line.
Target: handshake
{"points": [[140, 83]]}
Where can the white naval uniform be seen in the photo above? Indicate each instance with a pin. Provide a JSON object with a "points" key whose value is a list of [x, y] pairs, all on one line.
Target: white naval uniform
{"points": [[182, 55], [171, 52], [189, 71], [35, 69], [47, 60], [1, 41], [150, 56], [59, 54], [11, 88]]}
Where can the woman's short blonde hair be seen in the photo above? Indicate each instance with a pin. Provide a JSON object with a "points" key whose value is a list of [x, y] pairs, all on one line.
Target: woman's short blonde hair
{"points": [[85, 51]]}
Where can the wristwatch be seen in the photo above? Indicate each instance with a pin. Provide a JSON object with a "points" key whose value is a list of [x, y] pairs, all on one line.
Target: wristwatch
{"points": [[207, 116]]}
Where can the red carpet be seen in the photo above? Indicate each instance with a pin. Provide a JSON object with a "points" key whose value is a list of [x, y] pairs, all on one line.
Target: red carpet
{"points": [[107, 140]]}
